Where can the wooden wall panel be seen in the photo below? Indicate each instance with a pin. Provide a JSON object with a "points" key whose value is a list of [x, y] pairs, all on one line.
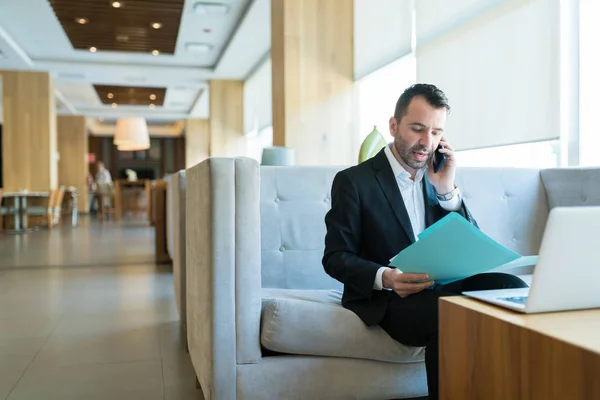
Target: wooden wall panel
{"points": [[29, 137], [314, 101], [227, 118], [197, 141], [73, 149]]}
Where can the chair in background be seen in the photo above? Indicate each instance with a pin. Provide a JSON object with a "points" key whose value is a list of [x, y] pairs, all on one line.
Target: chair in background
{"points": [[106, 200], [55, 207]]}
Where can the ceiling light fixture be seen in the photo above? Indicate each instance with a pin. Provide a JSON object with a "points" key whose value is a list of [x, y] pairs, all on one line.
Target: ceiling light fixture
{"points": [[93, 49], [155, 52], [152, 97], [205, 8], [81, 21], [114, 105], [116, 4], [110, 95], [156, 25], [198, 47], [151, 106], [131, 134]]}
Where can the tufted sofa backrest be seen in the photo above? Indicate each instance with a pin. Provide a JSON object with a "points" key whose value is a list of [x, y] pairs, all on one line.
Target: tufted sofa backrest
{"points": [[509, 205], [293, 204]]}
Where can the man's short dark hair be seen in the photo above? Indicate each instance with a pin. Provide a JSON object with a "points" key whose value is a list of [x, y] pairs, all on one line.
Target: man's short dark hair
{"points": [[431, 93]]}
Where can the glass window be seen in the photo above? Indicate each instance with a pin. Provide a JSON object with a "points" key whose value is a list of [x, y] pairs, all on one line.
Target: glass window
{"points": [[526, 155], [379, 91], [589, 83]]}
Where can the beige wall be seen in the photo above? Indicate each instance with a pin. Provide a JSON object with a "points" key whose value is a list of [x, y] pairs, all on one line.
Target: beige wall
{"points": [[314, 109], [197, 141], [73, 150], [227, 118], [29, 131]]}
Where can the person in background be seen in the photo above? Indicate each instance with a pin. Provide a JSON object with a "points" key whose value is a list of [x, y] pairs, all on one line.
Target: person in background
{"points": [[102, 174], [92, 190]]}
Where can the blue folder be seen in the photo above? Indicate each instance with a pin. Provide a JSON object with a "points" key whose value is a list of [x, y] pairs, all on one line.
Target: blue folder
{"points": [[452, 249]]}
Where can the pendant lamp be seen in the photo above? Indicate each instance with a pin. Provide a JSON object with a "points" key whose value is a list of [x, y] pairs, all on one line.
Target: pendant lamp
{"points": [[131, 134]]}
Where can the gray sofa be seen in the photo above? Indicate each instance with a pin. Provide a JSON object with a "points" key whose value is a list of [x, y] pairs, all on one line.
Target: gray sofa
{"points": [[265, 320], [176, 212]]}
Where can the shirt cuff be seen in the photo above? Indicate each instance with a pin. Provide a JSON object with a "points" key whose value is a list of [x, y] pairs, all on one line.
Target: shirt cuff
{"points": [[378, 284], [454, 204]]}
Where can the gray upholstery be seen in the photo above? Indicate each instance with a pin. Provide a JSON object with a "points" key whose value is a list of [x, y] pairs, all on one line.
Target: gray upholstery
{"points": [[572, 186], [328, 378], [169, 214], [294, 202], [509, 205], [333, 331], [254, 242], [177, 207]]}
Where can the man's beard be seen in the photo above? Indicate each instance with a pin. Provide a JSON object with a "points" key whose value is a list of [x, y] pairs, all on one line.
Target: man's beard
{"points": [[406, 154]]}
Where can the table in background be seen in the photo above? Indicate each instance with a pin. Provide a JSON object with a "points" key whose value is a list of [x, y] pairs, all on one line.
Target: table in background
{"points": [[120, 185], [19, 208], [488, 352]]}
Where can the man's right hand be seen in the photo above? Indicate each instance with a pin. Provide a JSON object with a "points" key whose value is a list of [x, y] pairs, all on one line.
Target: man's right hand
{"points": [[405, 284]]}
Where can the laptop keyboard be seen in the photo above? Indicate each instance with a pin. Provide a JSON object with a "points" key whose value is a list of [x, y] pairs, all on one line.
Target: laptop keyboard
{"points": [[515, 299]]}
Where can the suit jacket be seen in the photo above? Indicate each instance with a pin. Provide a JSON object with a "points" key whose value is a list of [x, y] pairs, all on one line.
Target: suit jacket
{"points": [[367, 225]]}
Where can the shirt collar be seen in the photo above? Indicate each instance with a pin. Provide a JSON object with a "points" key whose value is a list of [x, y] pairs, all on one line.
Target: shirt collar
{"points": [[398, 169]]}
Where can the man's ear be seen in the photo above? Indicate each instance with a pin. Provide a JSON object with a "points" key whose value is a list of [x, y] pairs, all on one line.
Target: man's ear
{"points": [[393, 125]]}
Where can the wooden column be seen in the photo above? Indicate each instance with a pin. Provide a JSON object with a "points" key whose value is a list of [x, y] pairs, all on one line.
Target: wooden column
{"points": [[226, 122], [29, 133], [197, 141], [312, 54], [73, 150]]}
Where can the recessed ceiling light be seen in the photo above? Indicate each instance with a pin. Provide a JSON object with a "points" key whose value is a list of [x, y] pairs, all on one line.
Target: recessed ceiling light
{"points": [[116, 4], [110, 95], [114, 105], [156, 25], [151, 106], [152, 97], [93, 49], [203, 8], [81, 21], [155, 52], [198, 47]]}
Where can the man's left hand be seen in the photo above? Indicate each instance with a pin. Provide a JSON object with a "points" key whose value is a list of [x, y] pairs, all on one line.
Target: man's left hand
{"points": [[443, 180]]}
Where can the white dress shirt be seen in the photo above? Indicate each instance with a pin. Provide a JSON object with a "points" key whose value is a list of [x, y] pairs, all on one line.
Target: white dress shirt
{"points": [[412, 194]]}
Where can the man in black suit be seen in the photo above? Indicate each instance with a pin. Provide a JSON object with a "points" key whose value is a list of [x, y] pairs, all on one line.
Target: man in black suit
{"points": [[379, 207]]}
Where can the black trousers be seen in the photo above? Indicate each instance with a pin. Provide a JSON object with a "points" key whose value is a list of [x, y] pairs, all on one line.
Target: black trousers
{"points": [[413, 321]]}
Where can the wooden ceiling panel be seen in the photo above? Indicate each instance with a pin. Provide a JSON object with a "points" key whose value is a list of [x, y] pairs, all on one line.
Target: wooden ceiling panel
{"points": [[127, 28], [131, 95]]}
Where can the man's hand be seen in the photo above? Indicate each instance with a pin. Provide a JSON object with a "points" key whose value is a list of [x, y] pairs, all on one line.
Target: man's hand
{"points": [[443, 180], [405, 284]]}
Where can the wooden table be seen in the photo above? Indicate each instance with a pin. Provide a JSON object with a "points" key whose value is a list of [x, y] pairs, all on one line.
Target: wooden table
{"points": [[120, 184], [487, 352]]}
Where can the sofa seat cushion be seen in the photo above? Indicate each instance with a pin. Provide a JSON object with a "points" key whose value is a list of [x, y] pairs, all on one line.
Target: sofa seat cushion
{"points": [[313, 322]]}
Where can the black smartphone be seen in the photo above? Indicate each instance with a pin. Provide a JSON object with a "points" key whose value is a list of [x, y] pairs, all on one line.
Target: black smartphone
{"points": [[438, 159]]}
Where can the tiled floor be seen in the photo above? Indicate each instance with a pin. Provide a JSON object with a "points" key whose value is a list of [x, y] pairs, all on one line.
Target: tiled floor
{"points": [[84, 314]]}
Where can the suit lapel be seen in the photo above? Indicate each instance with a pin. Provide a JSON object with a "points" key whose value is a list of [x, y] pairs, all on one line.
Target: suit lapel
{"points": [[431, 202], [387, 181]]}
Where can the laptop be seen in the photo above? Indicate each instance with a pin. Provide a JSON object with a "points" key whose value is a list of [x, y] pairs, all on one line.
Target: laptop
{"points": [[567, 273]]}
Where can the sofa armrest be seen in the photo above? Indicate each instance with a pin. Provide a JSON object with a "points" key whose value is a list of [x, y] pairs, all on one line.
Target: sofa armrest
{"points": [[223, 271], [248, 301]]}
